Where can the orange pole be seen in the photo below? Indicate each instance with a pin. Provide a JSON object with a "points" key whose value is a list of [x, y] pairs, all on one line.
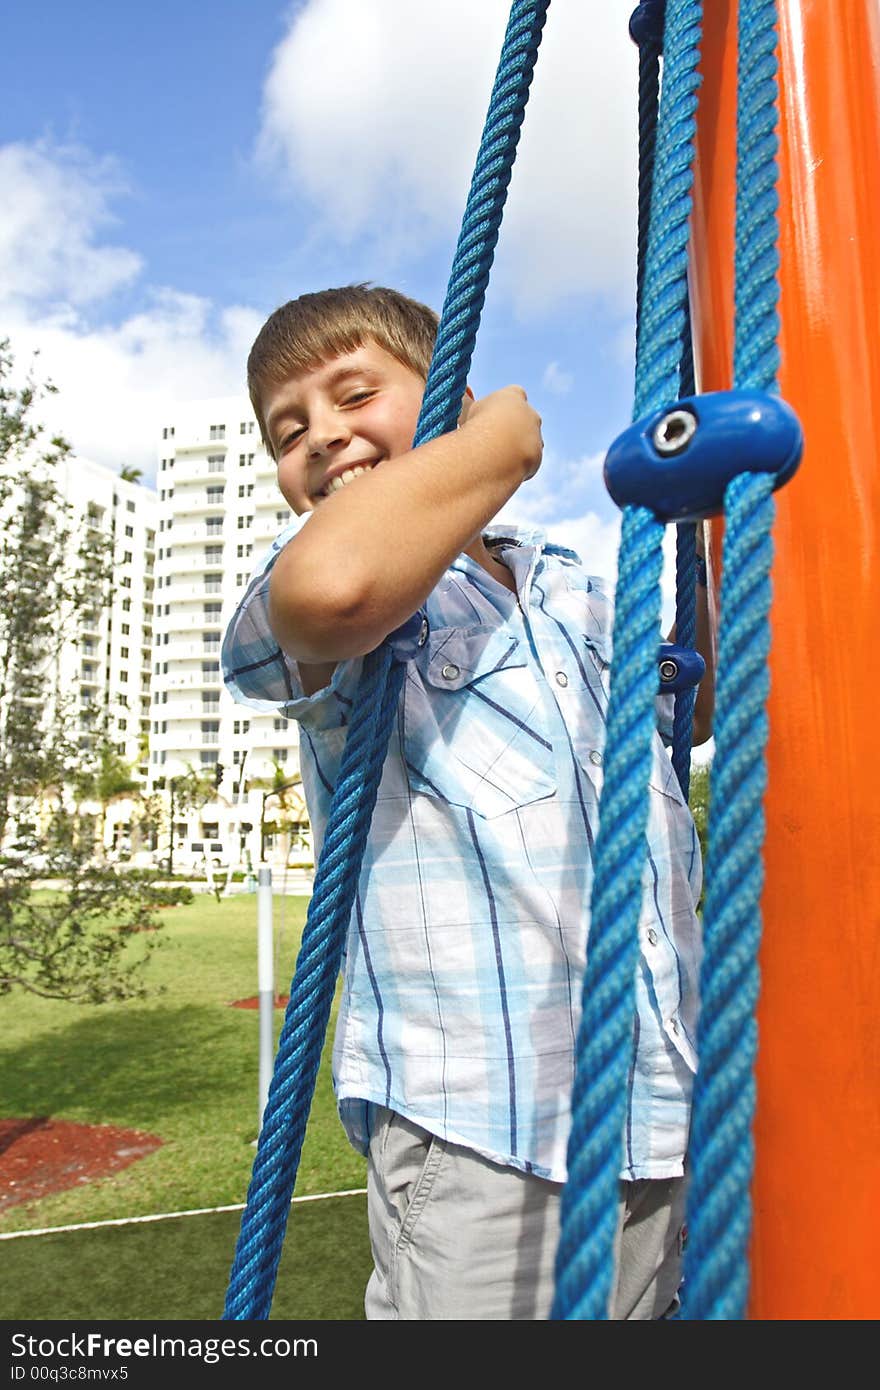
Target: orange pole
{"points": [[816, 1206]]}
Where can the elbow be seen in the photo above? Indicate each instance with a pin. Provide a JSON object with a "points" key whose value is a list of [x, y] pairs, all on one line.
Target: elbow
{"points": [[318, 620]]}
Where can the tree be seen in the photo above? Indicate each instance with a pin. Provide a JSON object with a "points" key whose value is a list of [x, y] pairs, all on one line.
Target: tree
{"points": [[73, 943], [130, 475], [104, 778]]}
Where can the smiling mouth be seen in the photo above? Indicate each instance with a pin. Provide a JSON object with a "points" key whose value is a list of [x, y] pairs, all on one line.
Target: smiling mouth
{"points": [[343, 479]]}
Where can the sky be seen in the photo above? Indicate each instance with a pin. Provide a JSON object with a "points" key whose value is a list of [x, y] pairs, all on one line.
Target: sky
{"points": [[173, 172]]}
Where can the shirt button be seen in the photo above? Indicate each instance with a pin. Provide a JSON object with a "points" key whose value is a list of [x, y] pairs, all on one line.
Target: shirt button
{"points": [[423, 634], [561, 678], [652, 938], [596, 758], [450, 672]]}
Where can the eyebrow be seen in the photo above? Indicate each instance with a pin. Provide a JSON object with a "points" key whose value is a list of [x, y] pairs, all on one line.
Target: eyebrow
{"points": [[339, 374]]}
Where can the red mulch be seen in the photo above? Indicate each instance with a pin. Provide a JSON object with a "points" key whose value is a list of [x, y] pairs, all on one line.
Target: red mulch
{"points": [[40, 1156], [281, 1002]]}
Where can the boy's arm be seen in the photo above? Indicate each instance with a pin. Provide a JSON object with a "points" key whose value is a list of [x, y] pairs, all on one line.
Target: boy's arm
{"points": [[372, 552]]}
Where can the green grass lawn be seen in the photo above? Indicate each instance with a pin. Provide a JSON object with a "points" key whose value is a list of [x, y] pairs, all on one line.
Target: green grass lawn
{"points": [[182, 1065]]}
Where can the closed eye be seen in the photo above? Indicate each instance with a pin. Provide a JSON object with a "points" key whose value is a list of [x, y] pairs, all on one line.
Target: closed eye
{"points": [[290, 438]]}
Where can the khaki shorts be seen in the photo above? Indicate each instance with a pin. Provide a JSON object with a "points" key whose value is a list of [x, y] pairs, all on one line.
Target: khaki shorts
{"points": [[455, 1236]]}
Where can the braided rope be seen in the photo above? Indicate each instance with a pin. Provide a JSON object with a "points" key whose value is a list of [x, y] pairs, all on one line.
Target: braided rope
{"points": [[305, 1022], [585, 1257], [719, 1209], [264, 1221]]}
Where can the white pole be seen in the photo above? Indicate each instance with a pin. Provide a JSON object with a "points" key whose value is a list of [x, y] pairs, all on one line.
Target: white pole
{"points": [[265, 982]]}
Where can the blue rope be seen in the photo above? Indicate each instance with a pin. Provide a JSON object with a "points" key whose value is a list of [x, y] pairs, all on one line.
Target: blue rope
{"points": [[261, 1238], [719, 1209], [650, 48], [585, 1257]]}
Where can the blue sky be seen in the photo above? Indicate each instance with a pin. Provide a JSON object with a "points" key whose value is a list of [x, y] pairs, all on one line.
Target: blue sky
{"points": [[172, 172]]}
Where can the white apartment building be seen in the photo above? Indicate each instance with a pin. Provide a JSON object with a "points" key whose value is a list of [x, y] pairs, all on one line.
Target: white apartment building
{"points": [[218, 510], [106, 665]]}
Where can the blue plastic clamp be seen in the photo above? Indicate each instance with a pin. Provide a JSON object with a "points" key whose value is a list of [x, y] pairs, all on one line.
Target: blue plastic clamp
{"points": [[679, 668], [679, 460], [405, 641], [646, 22]]}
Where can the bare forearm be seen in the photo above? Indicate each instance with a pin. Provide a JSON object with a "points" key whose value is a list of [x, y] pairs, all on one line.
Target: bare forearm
{"points": [[371, 553]]}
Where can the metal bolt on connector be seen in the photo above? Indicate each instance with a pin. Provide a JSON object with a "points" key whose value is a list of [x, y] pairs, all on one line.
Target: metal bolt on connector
{"points": [[668, 670], [674, 432]]}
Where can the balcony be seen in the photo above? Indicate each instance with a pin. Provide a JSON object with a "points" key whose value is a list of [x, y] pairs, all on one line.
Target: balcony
{"points": [[198, 502]]}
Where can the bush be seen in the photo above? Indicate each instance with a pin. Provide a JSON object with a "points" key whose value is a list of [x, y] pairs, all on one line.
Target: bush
{"points": [[171, 894]]}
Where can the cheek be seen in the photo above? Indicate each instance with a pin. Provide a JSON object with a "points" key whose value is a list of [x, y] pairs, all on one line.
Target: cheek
{"points": [[292, 487]]}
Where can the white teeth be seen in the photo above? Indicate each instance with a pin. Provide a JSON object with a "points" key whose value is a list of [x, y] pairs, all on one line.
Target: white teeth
{"points": [[336, 484]]}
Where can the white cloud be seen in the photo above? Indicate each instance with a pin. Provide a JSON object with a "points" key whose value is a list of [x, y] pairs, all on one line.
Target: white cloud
{"points": [[557, 381], [55, 201], [115, 381], [116, 384], [373, 111]]}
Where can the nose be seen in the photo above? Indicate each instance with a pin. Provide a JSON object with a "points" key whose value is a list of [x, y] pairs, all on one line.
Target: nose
{"points": [[327, 432]]}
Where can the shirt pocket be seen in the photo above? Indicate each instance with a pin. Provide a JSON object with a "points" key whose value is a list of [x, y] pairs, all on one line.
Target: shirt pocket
{"points": [[475, 732]]}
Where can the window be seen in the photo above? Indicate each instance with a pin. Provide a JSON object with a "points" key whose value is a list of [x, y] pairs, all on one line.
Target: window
{"points": [[122, 725], [244, 551], [208, 757], [123, 652], [213, 554], [211, 612], [211, 641], [216, 463], [213, 584], [282, 517], [244, 522], [123, 675], [246, 427], [280, 723], [129, 506], [129, 530], [217, 431], [210, 703], [168, 432], [126, 558], [280, 755], [125, 583], [241, 580], [214, 526], [126, 629], [241, 726], [126, 605], [215, 494]]}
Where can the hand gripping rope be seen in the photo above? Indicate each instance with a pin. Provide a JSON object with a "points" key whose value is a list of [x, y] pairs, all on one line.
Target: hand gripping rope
{"points": [[258, 1251]]}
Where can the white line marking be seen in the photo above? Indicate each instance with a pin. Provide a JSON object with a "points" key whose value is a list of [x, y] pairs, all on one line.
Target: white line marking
{"points": [[167, 1216]]}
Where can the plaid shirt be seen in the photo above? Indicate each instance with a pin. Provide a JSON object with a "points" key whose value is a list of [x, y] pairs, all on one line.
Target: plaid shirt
{"points": [[466, 949]]}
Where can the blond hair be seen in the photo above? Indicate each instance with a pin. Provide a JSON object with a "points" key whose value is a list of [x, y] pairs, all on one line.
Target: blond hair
{"points": [[314, 328]]}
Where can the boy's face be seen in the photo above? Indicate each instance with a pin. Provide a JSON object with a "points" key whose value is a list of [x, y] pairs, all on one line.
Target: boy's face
{"points": [[350, 413]]}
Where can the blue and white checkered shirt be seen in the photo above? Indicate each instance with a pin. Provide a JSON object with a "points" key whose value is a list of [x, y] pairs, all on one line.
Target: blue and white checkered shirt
{"points": [[466, 949]]}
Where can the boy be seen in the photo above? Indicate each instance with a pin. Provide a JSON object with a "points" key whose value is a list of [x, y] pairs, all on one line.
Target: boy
{"points": [[454, 1049]]}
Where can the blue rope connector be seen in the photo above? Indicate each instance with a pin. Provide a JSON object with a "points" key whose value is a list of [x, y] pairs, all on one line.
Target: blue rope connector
{"points": [[646, 22], [679, 461], [679, 668], [405, 641]]}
